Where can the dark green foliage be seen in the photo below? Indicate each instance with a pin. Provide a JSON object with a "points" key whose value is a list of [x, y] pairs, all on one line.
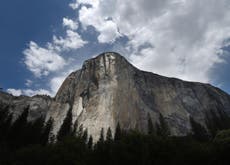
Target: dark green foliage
{"points": [[5, 127], [151, 130], [24, 133], [85, 136], [199, 132], [21, 121], [66, 128], [18, 132], [162, 128], [118, 132], [34, 131], [223, 137], [109, 136], [3, 113], [217, 121], [129, 147], [102, 139], [222, 147], [225, 120], [132, 148], [5, 123], [69, 151], [90, 143]]}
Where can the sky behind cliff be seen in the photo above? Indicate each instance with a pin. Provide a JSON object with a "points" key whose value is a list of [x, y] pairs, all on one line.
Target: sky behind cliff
{"points": [[41, 42]]}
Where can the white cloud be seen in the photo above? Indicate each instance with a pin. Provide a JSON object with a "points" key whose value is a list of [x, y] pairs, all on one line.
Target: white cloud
{"points": [[179, 38], [74, 5], [28, 83], [176, 38], [29, 92], [104, 25], [94, 3], [70, 24], [54, 82], [41, 61], [15, 92], [72, 41], [109, 32]]}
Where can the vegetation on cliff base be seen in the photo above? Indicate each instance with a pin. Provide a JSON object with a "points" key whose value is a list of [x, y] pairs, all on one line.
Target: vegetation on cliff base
{"points": [[27, 144]]}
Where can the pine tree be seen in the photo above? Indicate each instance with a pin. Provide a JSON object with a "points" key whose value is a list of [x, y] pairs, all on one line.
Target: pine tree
{"points": [[90, 142], [151, 129], [109, 137], [18, 130], [199, 132], [212, 127], [225, 120], [216, 121], [4, 113], [162, 127], [117, 135], [34, 131], [85, 136], [66, 128], [102, 139], [5, 124]]}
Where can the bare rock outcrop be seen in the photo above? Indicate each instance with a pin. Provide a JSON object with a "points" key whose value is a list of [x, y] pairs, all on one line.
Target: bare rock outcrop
{"points": [[108, 90]]}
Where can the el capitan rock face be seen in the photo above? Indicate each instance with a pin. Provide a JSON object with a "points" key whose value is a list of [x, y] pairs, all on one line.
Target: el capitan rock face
{"points": [[108, 90]]}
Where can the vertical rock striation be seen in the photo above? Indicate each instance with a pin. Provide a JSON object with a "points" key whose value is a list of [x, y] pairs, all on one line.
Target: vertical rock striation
{"points": [[108, 90]]}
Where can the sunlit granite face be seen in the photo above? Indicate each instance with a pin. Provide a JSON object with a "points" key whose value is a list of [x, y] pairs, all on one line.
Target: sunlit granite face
{"points": [[108, 90]]}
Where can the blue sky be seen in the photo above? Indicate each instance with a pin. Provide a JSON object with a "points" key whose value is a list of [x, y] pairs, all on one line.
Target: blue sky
{"points": [[41, 42]]}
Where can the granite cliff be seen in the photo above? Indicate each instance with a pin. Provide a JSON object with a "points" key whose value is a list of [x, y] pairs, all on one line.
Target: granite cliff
{"points": [[108, 90]]}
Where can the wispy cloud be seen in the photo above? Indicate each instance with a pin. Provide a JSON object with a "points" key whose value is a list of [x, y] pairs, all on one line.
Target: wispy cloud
{"points": [[179, 38], [41, 61], [69, 23], [28, 92], [72, 40], [28, 83], [176, 38], [15, 92], [107, 28]]}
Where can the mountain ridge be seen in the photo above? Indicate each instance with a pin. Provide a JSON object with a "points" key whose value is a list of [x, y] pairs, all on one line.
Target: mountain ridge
{"points": [[109, 90]]}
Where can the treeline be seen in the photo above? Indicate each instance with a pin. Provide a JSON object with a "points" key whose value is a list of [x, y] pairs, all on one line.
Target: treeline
{"points": [[21, 133], [31, 143]]}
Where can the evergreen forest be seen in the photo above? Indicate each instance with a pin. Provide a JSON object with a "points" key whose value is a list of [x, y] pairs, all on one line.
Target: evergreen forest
{"points": [[32, 143]]}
